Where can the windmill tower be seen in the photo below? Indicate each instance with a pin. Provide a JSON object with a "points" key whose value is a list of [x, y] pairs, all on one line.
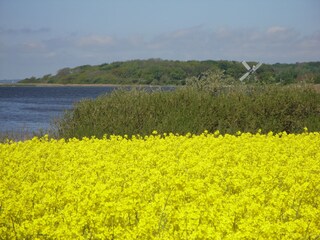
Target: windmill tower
{"points": [[250, 70]]}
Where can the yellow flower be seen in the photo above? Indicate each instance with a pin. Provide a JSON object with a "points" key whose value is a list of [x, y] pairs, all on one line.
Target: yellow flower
{"points": [[208, 186]]}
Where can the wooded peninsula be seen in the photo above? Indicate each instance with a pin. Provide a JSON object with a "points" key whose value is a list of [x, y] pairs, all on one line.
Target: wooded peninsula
{"points": [[168, 72]]}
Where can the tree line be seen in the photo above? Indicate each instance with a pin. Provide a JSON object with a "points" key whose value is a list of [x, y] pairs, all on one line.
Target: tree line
{"points": [[168, 72]]}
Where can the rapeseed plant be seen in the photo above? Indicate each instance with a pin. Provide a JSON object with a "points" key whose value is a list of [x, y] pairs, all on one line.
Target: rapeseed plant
{"points": [[169, 186]]}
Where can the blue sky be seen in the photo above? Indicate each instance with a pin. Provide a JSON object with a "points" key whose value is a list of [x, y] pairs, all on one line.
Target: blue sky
{"points": [[39, 37]]}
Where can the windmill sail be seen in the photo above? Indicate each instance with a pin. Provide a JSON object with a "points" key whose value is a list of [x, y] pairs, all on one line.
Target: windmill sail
{"points": [[256, 67], [244, 76], [246, 65], [250, 70]]}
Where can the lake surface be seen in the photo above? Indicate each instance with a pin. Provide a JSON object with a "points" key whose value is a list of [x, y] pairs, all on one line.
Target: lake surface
{"points": [[33, 108]]}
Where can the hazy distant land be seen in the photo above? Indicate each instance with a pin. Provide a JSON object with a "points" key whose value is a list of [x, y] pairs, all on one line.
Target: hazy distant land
{"points": [[167, 72]]}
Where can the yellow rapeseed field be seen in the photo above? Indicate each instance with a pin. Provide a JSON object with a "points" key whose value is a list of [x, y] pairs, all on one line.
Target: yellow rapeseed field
{"points": [[208, 186]]}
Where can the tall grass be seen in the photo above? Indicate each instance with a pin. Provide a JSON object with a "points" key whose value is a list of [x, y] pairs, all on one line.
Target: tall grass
{"points": [[22, 134], [187, 109]]}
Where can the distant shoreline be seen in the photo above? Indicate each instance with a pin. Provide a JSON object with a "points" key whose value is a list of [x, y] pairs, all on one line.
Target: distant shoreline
{"points": [[316, 87], [74, 85]]}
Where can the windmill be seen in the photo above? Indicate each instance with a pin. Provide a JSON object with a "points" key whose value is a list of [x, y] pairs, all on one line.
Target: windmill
{"points": [[250, 71]]}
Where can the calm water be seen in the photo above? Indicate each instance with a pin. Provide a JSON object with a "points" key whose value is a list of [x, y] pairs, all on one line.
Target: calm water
{"points": [[34, 108]]}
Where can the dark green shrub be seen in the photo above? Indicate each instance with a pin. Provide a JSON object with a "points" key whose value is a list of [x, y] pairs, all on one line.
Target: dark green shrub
{"points": [[228, 109]]}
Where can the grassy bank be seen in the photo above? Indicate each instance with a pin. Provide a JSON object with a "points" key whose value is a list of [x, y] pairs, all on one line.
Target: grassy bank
{"points": [[244, 108], [23, 134]]}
